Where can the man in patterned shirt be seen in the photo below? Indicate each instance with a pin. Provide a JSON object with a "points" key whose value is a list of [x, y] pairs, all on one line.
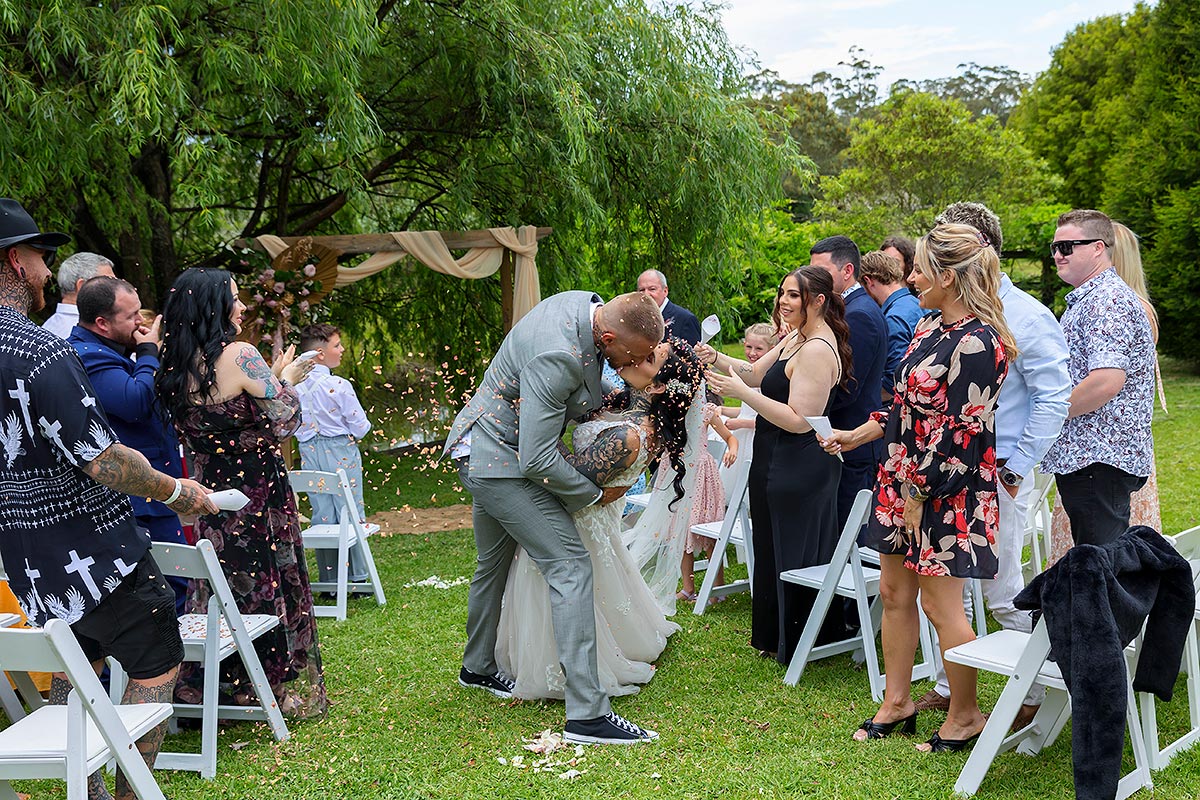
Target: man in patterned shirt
{"points": [[1105, 451], [67, 535]]}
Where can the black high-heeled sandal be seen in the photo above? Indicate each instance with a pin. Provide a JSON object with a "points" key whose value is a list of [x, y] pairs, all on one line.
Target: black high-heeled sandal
{"points": [[939, 745], [881, 730]]}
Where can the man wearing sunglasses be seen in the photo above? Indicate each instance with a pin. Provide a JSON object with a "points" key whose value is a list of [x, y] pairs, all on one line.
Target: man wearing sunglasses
{"points": [[72, 274], [1105, 451]]}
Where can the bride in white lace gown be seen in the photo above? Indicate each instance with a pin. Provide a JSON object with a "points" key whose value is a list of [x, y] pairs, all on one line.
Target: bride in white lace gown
{"points": [[631, 630]]}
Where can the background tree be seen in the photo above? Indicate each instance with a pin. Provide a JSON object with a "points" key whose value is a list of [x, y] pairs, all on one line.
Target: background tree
{"points": [[1079, 110], [920, 153], [984, 90], [1153, 182]]}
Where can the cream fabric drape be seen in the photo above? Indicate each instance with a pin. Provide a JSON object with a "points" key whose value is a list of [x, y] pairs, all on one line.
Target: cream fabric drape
{"points": [[430, 249]]}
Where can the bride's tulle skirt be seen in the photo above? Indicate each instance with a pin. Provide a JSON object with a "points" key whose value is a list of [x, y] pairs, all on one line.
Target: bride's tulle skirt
{"points": [[631, 631]]}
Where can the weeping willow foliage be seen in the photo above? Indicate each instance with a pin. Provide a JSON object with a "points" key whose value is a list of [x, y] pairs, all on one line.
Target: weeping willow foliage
{"points": [[156, 132]]}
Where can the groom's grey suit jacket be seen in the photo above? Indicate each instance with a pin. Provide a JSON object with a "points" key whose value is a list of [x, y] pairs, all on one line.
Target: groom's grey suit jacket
{"points": [[547, 371]]}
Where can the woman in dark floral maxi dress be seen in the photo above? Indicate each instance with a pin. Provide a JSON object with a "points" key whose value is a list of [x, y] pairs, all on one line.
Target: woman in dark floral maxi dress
{"points": [[936, 511], [232, 410]]}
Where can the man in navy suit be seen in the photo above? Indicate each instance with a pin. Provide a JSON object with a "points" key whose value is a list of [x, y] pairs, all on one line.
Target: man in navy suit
{"points": [[679, 321], [868, 342], [108, 333]]}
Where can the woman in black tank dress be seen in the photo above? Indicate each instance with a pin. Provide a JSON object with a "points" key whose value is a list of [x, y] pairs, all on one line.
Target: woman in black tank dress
{"points": [[793, 482]]}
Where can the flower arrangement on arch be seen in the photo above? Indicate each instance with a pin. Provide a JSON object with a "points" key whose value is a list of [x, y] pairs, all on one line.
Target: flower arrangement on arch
{"points": [[281, 295]]}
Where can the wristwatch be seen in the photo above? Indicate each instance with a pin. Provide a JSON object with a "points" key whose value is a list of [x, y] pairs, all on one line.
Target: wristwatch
{"points": [[916, 494], [1010, 478]]}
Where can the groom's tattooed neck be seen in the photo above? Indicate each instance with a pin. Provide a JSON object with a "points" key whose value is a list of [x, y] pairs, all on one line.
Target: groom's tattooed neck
{"points": [[613, 451]]}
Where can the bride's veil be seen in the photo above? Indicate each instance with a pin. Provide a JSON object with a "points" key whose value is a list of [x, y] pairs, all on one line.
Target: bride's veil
{"points": [[657, 539]]}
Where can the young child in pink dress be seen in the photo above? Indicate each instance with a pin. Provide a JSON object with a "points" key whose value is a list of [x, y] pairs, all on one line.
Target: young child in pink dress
{"points": [[708, 501]]}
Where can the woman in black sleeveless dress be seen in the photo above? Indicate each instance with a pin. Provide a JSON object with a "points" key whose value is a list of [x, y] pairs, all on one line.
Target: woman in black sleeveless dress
{"points": [[793, 482]]}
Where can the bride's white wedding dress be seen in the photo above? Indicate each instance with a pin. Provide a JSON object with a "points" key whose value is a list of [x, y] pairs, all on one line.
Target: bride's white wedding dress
{"points": [[631, 631]]}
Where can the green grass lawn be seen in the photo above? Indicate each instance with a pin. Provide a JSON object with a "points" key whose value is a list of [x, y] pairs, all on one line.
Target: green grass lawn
{"points": [[401, 727]]}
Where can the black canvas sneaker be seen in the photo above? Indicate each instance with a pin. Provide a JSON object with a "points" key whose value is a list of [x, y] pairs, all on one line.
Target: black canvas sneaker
{"points": [[609, 729], [497, 684]]}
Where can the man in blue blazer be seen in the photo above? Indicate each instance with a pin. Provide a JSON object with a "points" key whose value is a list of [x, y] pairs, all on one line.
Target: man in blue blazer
{"points": [[868, 343], [679, 321], [108, 334]]}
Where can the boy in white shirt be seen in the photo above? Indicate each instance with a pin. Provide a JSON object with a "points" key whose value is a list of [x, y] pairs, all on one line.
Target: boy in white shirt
{"points": [[334, 421]]}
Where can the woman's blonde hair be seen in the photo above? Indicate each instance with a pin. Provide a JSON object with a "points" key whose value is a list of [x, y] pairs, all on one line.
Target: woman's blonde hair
{"points": [[1127, 258], [967, 253], [765, 331]]}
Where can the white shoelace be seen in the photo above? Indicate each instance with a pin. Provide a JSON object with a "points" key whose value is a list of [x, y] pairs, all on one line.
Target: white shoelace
{"points": [[625, 724]]}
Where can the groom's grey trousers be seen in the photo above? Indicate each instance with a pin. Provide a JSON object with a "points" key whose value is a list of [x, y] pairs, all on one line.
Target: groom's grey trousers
{"points": [[512, 511]]}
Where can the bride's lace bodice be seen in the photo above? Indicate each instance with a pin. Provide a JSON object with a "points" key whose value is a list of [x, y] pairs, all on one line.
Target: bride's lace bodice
{"points": [[585, 434]]}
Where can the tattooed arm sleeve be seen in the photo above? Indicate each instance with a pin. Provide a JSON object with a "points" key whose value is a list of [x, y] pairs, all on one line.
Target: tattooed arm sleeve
{"points": [[124, 469], [280, 402], [613, 452]]}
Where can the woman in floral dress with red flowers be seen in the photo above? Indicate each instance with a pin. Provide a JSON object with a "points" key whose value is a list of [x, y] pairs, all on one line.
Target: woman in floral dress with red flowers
{"points": [[936, 511]]}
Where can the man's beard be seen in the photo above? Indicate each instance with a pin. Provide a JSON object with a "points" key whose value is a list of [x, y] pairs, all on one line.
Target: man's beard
{"points": [[37, 296]]}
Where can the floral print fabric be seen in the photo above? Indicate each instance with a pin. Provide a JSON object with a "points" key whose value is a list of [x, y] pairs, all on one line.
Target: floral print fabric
{"points": [[940, 436], [236, 446]]}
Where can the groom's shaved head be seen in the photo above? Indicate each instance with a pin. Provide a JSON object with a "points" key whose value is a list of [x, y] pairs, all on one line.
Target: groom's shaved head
{"points": [[628, 327], [636, 314]]}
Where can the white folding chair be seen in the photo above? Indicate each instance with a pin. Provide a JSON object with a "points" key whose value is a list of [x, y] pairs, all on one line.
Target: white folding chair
{"points": [[845, 576], [733, 528], [1188, 545], [1022, 657], [234, 633], [1037, 525], [339, 536], [70, 742]]}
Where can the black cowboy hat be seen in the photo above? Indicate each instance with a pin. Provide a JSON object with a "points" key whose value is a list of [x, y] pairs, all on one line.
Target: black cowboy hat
{"points": [[17, 227]]}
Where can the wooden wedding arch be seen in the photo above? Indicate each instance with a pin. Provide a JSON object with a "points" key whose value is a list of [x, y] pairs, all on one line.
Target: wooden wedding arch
{"points": [[510, 251]]}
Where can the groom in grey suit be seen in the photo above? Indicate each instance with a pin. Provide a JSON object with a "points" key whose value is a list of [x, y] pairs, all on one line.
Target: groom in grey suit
{"points": [[546, 372]]}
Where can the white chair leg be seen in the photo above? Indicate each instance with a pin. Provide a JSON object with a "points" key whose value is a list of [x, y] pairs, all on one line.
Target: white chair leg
{"points": [[812, 627], [343, 577], [9, 700], [76, 743], [980, 613], [710, 575], [212, 674], [372, 572], [1140, 777], [991, 741]]}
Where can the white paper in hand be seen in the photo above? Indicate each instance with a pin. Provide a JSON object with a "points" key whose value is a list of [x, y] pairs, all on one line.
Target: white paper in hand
{"points": [[709, 328], [229, 499], [824, 430]]}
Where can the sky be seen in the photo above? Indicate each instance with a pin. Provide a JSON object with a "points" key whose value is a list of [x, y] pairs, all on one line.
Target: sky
{"points": [[910, 39]]}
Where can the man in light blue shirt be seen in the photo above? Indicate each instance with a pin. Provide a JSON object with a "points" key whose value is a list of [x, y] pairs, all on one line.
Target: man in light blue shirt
{"points": [[1030, 412]]}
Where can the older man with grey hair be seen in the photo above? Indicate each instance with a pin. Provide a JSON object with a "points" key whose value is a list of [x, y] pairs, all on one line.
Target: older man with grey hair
{"points": [[680, 322], [72, 274]]}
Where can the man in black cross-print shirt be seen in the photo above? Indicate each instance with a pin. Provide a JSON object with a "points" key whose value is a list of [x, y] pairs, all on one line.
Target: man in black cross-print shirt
{"points": [[67, 534]]}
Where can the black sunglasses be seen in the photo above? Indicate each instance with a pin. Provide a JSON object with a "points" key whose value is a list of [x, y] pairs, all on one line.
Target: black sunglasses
{"points": [[48, 254], [1067, 246]]}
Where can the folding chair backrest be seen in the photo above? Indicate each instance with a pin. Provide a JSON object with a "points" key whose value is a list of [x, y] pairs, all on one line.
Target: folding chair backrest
{"points": [[334, 484], [199, 562], [1039, 503], [745, 440], [55, 649], [1187, 543], [735, 479], [848, 541]]}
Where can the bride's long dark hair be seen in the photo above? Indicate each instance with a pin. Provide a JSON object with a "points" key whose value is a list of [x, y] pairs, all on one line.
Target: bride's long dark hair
{"points": [[680, 376], [196, 327]]}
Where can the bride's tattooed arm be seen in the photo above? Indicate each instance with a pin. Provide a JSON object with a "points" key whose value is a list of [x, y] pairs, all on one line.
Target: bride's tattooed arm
{"points": [[613, 452]]}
